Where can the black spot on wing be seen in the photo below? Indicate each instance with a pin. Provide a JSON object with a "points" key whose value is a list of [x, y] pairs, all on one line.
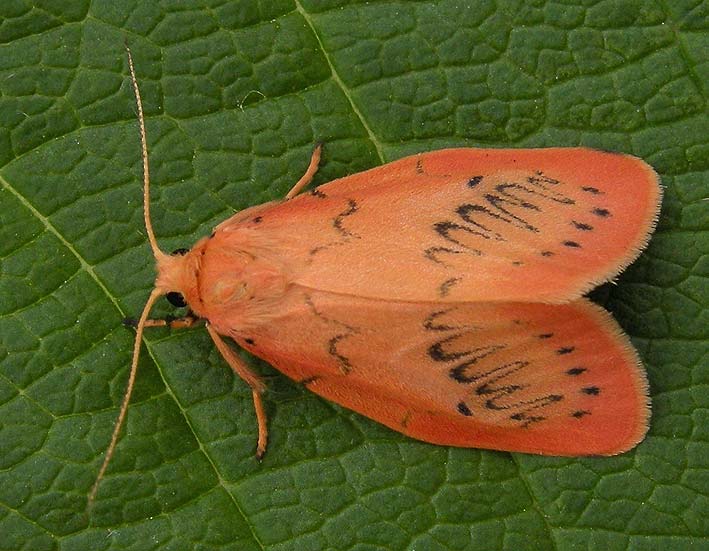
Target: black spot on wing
{"points": [[474, 181], [447, 231], [603, 213], [434, 253], [445, 288], [571, 244], [591, 390], [526, 417], [430, 323], [338, 221], [345, 331], [592, 190], [565, 350], [498, 210], [582, 226], [332, 349], [576, 371], [464, 371], [463, 409]]}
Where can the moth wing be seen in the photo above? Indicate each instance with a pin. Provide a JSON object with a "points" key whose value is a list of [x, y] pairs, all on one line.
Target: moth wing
{"points": [[542, 225], [536, 378]]}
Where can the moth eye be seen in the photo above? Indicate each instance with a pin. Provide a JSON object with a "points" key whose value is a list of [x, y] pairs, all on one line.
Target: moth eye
{"points": [[176, 299], [180, 252]]}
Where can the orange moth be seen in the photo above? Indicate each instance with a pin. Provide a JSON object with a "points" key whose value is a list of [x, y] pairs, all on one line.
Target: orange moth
{"points": [[440, 294]]}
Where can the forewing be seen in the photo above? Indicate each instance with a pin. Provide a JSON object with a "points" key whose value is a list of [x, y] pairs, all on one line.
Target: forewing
{"points": [[456, 225], [537, 378]]}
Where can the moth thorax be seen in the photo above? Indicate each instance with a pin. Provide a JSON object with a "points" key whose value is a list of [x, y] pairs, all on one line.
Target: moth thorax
{"points": [[229, 278]]}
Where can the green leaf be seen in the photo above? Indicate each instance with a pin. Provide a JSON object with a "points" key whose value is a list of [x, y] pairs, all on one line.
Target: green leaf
{"points": [[236, 94]]}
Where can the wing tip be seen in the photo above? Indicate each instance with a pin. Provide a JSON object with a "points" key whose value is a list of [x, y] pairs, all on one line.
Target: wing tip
{"points": [[651, 218], [645, 230], [641, 424]]}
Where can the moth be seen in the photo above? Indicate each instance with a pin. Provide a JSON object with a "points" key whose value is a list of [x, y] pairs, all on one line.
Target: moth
{"points": [[441, 295]]}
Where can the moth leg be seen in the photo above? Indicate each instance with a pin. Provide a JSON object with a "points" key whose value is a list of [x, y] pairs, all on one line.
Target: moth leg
{"points": [[251, 379], [173, 323], [309, 173]]}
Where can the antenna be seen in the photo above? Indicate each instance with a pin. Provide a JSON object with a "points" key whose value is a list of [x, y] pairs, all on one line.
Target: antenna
{"points": [[154, 295], [126, 397], [146, 168]]}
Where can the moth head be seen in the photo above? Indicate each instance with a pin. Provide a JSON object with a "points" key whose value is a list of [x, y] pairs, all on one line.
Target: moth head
{"points": [[177, 277]]}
